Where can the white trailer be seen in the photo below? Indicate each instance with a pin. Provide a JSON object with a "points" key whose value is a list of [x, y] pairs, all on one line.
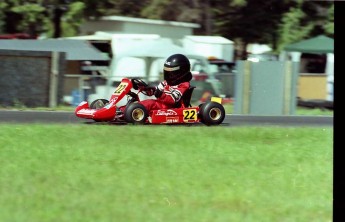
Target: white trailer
{"points": [[209, 46]]}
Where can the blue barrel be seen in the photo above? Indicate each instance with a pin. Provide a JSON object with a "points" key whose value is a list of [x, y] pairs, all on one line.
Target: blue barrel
{"points": [[76, 97]]}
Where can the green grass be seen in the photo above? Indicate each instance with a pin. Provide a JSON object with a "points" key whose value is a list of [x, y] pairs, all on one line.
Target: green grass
{"points": [[165, 173]]}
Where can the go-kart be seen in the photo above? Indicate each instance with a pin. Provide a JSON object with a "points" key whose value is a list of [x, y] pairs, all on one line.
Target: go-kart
{"points": [[103, 110]]}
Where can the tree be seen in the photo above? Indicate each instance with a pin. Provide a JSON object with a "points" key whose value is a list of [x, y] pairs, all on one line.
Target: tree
{"points": [[22, 16], [37, 17], [245, 21], [320, 14], [196, 11], [307, 19], [250, 21], [291, 28], [329, 26], [66, 16], [96, 8], [3, 6]]}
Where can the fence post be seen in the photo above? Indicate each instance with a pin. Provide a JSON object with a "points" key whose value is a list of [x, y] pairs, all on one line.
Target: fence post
{"points": [[53, 80]]}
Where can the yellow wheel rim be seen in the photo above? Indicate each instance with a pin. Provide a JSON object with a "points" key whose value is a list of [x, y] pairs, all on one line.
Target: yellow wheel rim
{"points": [[215, 113], [138, 114]]}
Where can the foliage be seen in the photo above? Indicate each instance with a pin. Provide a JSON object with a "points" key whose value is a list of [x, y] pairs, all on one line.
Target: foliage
{"points": [[3, 6], [272, 22], [36, 17], [306, 19], [72, 19], [256, 21], [320, 14], [22, 16], [96, 8], [185, 10], [291, 30], [329, 26]]}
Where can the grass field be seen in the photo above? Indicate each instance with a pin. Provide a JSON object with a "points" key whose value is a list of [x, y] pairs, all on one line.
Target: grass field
{"points": [[72, 173]]}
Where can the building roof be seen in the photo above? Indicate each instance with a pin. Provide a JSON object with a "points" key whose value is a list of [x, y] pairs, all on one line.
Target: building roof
{"points": [[318, 44], [149, 21], [209, 39], [74, 49]]}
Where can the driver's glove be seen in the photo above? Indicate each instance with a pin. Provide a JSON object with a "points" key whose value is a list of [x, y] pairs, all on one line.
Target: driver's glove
{"points": [[159, 90], [150, 90]]}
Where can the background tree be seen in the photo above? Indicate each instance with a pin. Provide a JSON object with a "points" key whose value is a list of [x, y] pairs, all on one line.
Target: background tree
{"points": [[131, 8], [272, 22], [22, 16], [292, 29], [319, 14], [3, 6], [54, 18], [250, 21], [183, 11], [65, 17], [307, 19], [67, 21], [329, 26]]}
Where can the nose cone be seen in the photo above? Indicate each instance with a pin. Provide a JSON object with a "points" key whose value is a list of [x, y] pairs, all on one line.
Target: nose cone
{"points": [[105, 114]]}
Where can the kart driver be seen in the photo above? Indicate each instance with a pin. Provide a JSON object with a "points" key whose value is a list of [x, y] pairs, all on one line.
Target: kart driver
{"points": [[177, 78]]}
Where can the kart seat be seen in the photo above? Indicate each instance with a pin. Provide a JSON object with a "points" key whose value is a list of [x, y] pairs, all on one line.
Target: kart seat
{"points": [[186, 98]]}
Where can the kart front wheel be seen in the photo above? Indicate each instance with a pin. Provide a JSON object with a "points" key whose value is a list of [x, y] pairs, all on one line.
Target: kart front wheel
{"points": [[212, 113], [98, 103], [135, 113]]}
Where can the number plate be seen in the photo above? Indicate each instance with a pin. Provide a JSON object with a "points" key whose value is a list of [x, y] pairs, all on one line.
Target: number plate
{"points": [[190, 115], [120, 88]]}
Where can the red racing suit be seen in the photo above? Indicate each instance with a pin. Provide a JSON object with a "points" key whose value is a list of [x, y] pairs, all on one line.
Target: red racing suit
{"points": [[170, 97]]}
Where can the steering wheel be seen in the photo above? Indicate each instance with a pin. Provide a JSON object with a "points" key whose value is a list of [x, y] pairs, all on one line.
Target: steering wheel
{"points": [[139, 83], [145, 88]]}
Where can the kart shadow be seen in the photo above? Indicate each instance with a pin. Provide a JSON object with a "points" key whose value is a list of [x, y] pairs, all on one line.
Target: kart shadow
{"points": [[149, 124]]}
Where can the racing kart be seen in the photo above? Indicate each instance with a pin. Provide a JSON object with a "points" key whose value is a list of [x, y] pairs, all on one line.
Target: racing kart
{"points": [[103, 110]]}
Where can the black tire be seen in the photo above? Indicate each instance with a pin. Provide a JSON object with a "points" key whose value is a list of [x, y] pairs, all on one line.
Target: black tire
{"points": [[212, 113], [201, 110], [136, 113], [99, 103]]}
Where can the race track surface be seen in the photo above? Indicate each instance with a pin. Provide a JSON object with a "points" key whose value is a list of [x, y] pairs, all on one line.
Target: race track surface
{"points": [[61, 117]]}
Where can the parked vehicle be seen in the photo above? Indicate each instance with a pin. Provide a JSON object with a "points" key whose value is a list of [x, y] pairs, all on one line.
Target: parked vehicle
{"points": [[214, 75]]}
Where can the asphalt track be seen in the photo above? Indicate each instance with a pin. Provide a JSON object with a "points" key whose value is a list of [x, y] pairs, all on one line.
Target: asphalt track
{"points": [[64, 117]]}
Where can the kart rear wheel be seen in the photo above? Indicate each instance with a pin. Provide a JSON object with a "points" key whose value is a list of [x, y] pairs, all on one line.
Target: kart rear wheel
{"points": [[98, 103], [136, 113], [201, 110], [212, 113]]}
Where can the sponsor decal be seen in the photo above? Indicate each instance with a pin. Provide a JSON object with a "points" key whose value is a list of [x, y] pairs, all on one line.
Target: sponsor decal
{"points": [[172, 119], [168, 112], [113, 99], [86, 111]]}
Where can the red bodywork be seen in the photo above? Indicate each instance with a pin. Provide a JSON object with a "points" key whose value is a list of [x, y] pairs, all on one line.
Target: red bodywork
{"points": [[175, 115], [108, 112], [160, 116]]}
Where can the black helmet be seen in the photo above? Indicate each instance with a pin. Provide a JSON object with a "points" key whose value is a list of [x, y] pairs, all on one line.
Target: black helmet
{"points": [[177, 69]]}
